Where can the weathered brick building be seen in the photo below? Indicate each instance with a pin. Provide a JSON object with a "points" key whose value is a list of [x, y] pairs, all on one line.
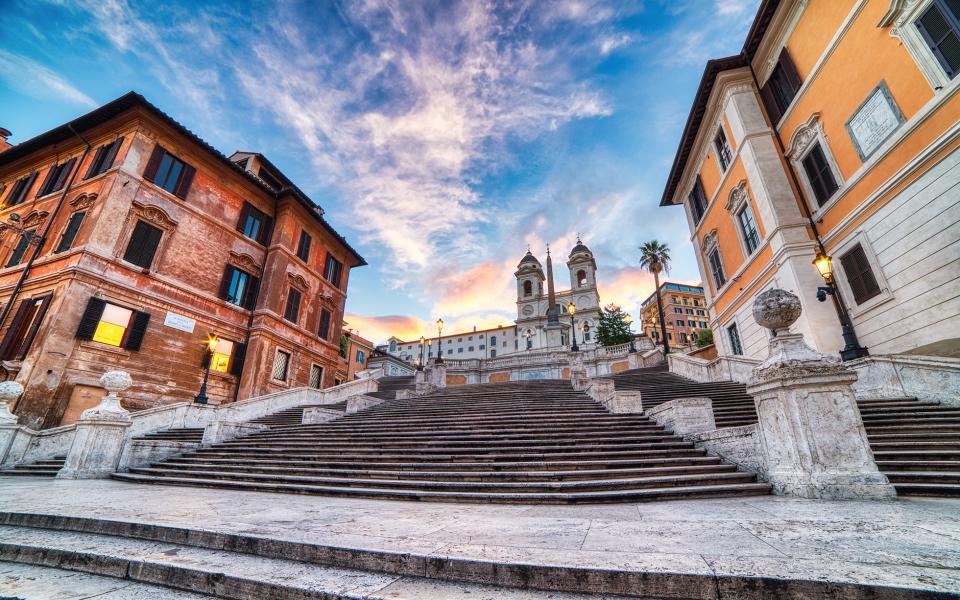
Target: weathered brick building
{"points": [[127, 240]]}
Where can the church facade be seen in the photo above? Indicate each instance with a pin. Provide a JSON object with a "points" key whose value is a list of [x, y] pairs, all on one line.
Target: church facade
{"points": [[536, 326]]}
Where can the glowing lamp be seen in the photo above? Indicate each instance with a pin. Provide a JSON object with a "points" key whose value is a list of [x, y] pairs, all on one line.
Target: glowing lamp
{"points": [[824, 264], [571, 308]]}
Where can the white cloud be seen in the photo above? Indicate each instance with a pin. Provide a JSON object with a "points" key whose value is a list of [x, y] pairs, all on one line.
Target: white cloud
{"points": [[33, 79]]}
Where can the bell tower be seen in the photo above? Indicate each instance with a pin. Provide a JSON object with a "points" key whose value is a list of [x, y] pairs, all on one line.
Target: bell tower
{"points": [[530, 279]]}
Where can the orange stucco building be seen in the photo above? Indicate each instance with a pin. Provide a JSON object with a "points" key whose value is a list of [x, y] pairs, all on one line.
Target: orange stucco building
{"points": [[126, 240], [836, 129]]}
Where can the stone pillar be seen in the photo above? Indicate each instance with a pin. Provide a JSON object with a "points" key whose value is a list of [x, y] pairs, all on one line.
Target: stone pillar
{"points": [[438, 375], [684, 416], [101, 433], [421, 383], [810, 431], [9, 392], [578, 372]]}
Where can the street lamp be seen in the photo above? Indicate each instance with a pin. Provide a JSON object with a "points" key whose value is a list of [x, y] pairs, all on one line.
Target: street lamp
{"points": [[571, 309], [439, 341], [211, 346], [852, 348], [629, 321], [429, 349], [420, 361]]}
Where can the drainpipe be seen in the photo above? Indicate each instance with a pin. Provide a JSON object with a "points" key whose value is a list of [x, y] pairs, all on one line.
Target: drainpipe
{"points": [[41, 240], [852, 348]]}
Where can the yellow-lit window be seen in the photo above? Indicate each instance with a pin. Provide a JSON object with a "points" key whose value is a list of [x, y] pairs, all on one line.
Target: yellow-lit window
{"points": [[113, 325], [221, 356]]}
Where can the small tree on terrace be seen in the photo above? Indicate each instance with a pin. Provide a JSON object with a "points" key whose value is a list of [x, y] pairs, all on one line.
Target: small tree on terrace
{"points": [[704, 337], [612, 329]]}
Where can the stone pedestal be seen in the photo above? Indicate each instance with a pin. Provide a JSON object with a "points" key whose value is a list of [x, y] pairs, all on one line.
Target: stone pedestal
{"points": [[602, 390], [320, 414], [9, 392], [685, 416], [578, 372], [634, 361], [438, 375], [101, 433], [810, 432], [422, 384]]}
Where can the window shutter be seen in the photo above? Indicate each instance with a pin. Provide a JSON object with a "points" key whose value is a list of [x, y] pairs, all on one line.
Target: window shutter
{"points": [[64, 174], [138, 328], [225, 282], [70, 233], [790, 72], [42, 190], [91, 318], [766, 94], [150, 173], [859, 274], [266, 232], [184, 181], [3, 187], [244, 213], [143, 245], [324, 324], [16, 325], [111, 154], [94, 167], [236, 361], [250, 299], [27, 186], [21, 352]]}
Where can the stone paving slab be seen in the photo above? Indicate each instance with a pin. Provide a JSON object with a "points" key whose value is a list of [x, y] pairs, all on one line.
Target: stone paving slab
{"points": [[909, 542]]}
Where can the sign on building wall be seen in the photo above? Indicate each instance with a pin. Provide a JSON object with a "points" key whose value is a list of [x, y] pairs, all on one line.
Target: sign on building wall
{"points": [[181, 322], [874, 121]]}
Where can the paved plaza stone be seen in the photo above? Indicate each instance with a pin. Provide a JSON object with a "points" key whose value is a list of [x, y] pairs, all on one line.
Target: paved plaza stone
{"points": [[912, 543]]}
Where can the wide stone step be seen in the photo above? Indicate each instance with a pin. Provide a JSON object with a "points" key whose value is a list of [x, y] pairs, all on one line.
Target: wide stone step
{"points": [[373, 451], [927, 489], [934, 477], [367, 443], [475, 457], [320, 433], [631, 495], [918, 465], [912, 445]]}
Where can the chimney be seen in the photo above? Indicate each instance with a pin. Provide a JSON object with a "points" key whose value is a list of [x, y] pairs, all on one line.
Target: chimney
{"points": [[4, 144]]}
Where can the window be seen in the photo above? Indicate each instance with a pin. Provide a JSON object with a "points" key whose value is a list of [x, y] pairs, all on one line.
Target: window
{"points": [[169, 172], [701, 313], [451, 351], [460, 339], [316, 376], [528, 288], [113, 325], [480, 336], [722, 146], [220, 360], [819, 174], [21, 248], [698, 201], [673, 300], [734, 336], [860, 277], [303, 247], [103, 158], [688, 311], [292, 310], [333, 270], [703, 325], [483, 346], [23, 329], [716, 267], [748, 229], [469, 338], [361, 357], [680, 322], [19, 189], [56, 178], [324, 331], [255, 224], [493, 353], [239, 287], [781, 88], [939, 26], [143, 245], [70, 232], [470, 349], [460, 350], [581, 278], [678, 311], [281, 363]]}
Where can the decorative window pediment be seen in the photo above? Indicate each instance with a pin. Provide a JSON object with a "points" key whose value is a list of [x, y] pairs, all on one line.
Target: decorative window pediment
{"points": [[738, 195], [83, 201], [245, 262], [710, 241], [297, 281], [154, 215], [35, 219], [804, 136]]}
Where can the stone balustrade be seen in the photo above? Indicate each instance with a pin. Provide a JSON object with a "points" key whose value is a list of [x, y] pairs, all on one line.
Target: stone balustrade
{"points": [[684, 416], [722, 368], [94, 445]]}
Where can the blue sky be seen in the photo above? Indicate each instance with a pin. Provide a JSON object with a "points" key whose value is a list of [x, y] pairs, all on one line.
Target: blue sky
{"points": [[441, 137]]}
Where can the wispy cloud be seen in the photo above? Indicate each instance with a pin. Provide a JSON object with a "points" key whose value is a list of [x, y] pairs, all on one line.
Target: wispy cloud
{"points": [[34, 79]]}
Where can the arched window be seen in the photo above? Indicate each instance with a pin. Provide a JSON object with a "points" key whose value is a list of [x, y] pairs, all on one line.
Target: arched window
{"points": [[581, 278], [527, 288]]}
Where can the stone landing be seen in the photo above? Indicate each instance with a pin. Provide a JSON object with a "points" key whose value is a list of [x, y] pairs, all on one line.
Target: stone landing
{"points": [[745, 548]]}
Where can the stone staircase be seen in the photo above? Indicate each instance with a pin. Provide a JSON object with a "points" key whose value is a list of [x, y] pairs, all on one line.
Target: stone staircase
{"points": [[732, 406], [41, 468], [389, 386], [517, 442], [916, 444]]}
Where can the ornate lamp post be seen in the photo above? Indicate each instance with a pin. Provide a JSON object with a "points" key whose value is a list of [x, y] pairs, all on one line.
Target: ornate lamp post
{"points": [[439, 341], [211, 346], [571, 309], [420, 360], [429, 349], [629, 321], [852, 348]]}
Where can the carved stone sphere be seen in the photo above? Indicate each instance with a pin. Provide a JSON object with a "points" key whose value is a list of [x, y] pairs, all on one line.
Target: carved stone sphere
{"points": [[10, 391], [776, 309], [116, 381]]}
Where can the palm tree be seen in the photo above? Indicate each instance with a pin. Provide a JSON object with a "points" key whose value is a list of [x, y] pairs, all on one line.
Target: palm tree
{"points": [[655, 257]]}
